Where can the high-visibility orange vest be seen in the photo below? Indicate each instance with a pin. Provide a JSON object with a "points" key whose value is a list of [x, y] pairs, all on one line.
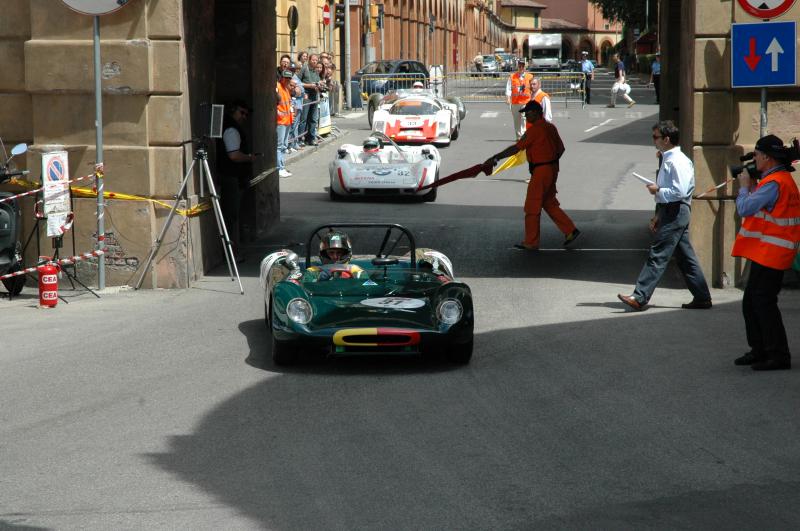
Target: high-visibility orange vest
{"points": [[521, 88], [540, 96], [772, 239], [285, 111], [538, 99]]}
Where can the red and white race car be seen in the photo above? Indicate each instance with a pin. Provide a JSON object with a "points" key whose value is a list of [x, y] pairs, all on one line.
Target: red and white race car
{"points": [[419, 119]]}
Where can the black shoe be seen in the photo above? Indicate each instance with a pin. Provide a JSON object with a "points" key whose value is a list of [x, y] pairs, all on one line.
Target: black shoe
{"points": [[571, 237], [779, 363], [749, 358], [697, 305], [523, 247]]}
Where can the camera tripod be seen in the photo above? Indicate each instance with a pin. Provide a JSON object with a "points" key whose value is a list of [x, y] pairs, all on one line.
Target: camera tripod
{"points": [[201, 154]]}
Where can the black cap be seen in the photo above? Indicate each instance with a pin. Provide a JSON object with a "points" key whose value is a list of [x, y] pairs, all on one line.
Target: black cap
{"points": [[772, 146], [532, 105], [287, 73], [520, 61]]}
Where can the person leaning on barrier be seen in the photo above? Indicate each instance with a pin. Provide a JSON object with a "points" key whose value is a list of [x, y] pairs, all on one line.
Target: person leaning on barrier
{"points": [[588, 75], [770, 238], [518, 94], [543, 148]]}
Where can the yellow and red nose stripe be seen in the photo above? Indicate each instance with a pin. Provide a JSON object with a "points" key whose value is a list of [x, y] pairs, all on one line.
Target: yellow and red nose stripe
{"points": [[375, 337]]}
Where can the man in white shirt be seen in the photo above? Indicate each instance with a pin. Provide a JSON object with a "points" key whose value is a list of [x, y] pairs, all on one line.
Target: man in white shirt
{"points": [[673, 195], [543, 98]]}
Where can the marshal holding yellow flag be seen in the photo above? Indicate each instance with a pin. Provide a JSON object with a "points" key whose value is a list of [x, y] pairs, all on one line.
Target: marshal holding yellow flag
{"points": [[541, 147]]}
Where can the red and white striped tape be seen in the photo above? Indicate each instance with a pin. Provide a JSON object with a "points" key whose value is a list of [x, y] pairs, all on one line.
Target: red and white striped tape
{"points": [[37, 190], [63, 261]]}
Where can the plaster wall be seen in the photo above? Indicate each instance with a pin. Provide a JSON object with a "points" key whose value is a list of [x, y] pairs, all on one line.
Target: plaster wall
{"points": [[157, 68], [718, 123]]}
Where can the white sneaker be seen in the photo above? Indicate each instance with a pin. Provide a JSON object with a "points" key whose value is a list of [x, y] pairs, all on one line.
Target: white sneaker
{"points": [[284, 173]]}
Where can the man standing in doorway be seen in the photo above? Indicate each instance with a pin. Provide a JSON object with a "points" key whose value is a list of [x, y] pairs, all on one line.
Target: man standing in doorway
{"points": [[518, 94], [543, 147], [234, 167], [673, 195], [655, 75], [588, 75]]}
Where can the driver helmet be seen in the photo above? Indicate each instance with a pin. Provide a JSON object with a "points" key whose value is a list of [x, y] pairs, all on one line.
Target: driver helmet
{"points": [[371, 145], [418, 85], [335, 240]]}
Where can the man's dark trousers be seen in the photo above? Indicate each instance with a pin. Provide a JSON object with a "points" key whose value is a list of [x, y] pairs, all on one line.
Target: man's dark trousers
{"points": [[672, 237], [587, 87], [762, 318]]}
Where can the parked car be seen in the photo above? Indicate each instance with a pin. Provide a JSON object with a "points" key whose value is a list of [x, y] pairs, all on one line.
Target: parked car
{"points": [[380, 77], [490, 65], [571, 65], [508, 62]]}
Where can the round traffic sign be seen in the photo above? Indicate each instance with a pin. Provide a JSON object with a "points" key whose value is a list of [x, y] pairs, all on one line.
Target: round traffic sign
{"points": [[292, 18], [326, 14], [764, 9], [95, 7]]}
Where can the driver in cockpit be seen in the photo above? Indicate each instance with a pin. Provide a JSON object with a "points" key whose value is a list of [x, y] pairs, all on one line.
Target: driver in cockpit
{"points": [[335, 251], [371, 152]]}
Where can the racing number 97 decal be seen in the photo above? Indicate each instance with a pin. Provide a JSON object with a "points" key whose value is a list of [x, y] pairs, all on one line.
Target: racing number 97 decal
{"points": [[394, 303]]}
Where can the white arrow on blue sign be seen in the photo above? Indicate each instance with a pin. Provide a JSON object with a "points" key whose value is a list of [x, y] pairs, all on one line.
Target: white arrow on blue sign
{"points": [[763, 54]]}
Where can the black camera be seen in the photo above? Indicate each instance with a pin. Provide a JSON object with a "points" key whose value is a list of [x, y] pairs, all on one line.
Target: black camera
{"points": [[785, 155], [750, 166]]}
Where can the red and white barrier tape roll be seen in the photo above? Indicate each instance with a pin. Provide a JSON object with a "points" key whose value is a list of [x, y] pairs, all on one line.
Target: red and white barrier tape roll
{"points": [[37, 190], [63, 261]]}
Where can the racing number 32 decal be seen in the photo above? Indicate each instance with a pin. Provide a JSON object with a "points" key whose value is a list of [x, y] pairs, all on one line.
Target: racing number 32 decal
{"points": [[396, 303]]}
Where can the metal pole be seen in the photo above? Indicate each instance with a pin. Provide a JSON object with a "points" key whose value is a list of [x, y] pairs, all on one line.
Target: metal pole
{"points": [[98, 126], [382, 24], [330, 29], [347, 53], [763, 129]]}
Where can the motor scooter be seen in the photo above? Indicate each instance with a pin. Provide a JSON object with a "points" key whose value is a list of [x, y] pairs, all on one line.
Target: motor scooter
{"points": [[10, 225]]}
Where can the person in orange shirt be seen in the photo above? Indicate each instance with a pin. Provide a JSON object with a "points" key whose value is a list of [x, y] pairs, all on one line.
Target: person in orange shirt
{"points": [[518, 93], [543, 148], [542, 98], [285, 118]]}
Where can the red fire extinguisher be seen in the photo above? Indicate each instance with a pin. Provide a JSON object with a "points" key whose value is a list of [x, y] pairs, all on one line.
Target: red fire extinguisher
{"points": [[48, 285]]}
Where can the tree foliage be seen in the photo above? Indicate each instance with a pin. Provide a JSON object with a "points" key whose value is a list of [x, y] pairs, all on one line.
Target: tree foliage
{"points": [[629, 12]]}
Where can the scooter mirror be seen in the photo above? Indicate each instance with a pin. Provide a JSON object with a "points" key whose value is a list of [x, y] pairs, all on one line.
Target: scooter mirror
{"points": [[19, 149]]}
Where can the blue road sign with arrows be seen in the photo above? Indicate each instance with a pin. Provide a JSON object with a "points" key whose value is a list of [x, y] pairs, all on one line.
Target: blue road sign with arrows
{"points": [[763, 54]]}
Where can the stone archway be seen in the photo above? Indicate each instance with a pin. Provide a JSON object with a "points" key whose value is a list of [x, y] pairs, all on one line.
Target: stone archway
{"points": [[567, 50], [605, 51]]}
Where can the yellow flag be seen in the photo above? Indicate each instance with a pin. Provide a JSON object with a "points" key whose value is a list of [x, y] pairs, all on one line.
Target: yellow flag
{"points": [[510, 162]]}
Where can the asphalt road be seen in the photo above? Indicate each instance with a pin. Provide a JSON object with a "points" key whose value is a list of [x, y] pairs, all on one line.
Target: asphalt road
{"points": [[163, 410]]}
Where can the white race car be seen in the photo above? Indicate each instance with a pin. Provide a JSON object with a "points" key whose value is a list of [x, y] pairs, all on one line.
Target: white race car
{"points": [[380, 102], [419, 118], [382, 168]]}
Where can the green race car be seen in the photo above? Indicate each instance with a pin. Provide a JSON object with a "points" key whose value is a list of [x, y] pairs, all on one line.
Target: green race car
{"points": [[386, 303]]}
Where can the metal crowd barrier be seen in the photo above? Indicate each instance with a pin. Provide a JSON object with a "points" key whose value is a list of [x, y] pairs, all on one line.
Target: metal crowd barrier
{"points": [[383, 83], [563, 87]]}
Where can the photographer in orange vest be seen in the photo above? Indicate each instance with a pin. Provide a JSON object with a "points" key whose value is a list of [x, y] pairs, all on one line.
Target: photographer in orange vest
{"points": [[769, 238], [518, 93]]}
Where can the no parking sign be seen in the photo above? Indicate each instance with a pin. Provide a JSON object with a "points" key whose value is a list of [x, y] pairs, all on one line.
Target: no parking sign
{"points": [[55, 191]]}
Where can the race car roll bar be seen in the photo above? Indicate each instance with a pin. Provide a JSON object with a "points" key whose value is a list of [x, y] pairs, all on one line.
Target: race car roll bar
{"points": [[389, 226]]}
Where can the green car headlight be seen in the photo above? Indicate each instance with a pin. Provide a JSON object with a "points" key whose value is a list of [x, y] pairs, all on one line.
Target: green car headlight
{"points": [[299, 311], [450, 311]]}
